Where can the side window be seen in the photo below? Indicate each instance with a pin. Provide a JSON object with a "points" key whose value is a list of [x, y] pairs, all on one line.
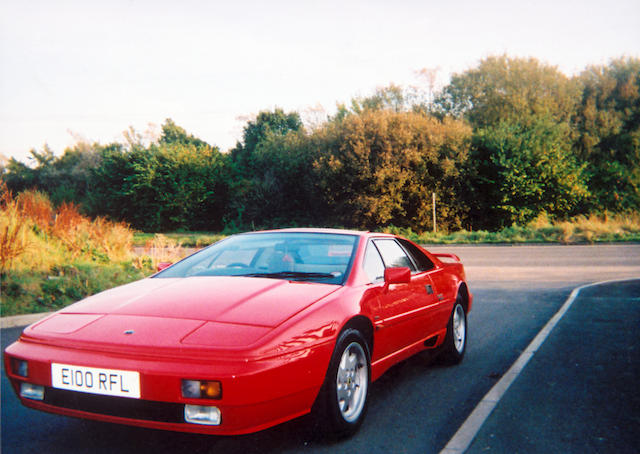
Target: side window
{"points": [[373, 266], [422, 261], [393, 255]]}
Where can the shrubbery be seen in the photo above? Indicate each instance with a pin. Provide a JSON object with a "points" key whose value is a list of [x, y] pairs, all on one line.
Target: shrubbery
{"points": [[50, 257], [501, 144]]}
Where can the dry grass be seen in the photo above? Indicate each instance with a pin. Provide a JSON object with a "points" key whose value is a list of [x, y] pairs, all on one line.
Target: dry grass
{"points": [[36, 236], [36, 207], [14, 230], [579, 230], [605, 228], [99, 236], [160, 249], [53, 257]]}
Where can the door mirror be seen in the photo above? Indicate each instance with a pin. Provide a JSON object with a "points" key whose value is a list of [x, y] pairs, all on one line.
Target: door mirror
{"points": [[400, 275], [163, 265]]}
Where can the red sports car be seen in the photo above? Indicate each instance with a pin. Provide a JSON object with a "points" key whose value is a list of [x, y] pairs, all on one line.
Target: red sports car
{"points": [[252, 331]]}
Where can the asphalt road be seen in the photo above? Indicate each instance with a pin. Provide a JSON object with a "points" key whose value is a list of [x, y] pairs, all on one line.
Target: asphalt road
{"points": [[579, 393], [417, 406]]}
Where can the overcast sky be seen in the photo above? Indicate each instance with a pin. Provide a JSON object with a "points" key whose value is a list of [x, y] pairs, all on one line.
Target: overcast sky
{"points": [[90, 69]]}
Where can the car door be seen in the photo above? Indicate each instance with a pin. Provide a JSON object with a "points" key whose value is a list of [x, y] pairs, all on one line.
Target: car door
{"points": [[403, 308], [438, 307]]}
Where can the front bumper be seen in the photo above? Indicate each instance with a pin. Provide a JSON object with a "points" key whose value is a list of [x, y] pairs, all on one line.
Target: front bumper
{"points": [[257, 393]]}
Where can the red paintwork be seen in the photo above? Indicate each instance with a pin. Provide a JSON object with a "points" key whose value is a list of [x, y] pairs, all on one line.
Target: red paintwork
{"points": [[439, 255], [400, 275], [163, 265], [268, 341]]}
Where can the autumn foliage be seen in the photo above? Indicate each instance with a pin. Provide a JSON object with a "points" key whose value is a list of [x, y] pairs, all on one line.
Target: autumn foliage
{"points": [[34, 233], [13, 230]]}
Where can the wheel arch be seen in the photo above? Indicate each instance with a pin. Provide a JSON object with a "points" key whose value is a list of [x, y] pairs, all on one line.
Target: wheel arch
{"points": [[364, 326], [463, 291]]}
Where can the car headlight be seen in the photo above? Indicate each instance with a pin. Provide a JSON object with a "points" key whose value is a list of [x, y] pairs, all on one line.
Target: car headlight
{"points": [[198, 414], [31, 391], [201, 389]]}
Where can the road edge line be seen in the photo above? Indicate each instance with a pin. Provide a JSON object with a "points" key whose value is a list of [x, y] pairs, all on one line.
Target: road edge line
{"points": [[463, 437]]}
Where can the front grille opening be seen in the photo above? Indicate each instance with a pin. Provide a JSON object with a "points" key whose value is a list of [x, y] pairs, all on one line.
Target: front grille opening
{"points": [[122, 407]]}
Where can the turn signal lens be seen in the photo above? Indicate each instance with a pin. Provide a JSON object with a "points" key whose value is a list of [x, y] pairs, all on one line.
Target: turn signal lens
{"points": [[20, 367], [201, 389], [211, 389]]}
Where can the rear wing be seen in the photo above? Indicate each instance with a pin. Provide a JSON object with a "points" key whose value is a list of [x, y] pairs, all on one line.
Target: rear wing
{"points": [[453, 257]]}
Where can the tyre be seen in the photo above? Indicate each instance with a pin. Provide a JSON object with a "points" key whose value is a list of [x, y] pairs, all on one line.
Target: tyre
{"points": [[342, 403], [455, 342]]}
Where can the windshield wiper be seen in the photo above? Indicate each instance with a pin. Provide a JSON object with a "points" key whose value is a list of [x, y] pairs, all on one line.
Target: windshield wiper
{"points": [[291, 275]]}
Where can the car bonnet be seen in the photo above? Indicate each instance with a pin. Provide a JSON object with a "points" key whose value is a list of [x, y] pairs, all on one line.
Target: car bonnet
{"points": [[166, 312]]}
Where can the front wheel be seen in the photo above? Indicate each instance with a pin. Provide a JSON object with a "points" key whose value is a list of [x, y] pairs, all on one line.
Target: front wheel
{"points": [[342, 403], [455, 342]]}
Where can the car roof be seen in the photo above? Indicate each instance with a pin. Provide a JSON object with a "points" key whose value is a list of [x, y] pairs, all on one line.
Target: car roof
{"points": [[361, 233], [313, 230]]}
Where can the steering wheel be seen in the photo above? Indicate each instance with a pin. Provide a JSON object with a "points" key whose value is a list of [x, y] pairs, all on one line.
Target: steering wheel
{"points": [[237, 265]]}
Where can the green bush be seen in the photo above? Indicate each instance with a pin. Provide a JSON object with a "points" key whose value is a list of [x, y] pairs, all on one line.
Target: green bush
{"points": [[27, 291]]}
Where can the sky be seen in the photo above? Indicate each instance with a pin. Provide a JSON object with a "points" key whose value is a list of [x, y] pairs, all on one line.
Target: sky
{"points": [[88, 70]]}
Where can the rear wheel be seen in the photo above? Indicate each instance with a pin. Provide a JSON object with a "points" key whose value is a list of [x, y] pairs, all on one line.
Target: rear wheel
{"points": [[342, 403], [455, 342]]}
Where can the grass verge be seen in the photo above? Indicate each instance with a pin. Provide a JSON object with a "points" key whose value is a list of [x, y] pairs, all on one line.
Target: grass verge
{"points": [[32, 291], [53, 256], [579, 230]]}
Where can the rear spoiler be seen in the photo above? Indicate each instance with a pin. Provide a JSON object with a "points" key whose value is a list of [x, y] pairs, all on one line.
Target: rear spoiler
{"points": [[447, 256]]}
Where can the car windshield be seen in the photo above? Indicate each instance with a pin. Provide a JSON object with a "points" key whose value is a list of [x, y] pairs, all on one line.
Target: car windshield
{"points": [[299, 256]]}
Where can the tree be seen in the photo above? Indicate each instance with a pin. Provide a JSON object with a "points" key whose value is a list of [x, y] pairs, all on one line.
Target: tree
{"points": [[266, 123], [392, 97], [283, 190], [522, 170], [512, 89], [379, 167], [180, 182], [609, 127], [65, 178], [524, 160], [174, 134], [18, 176], [69, 178], [258, 168], [163, 187]]}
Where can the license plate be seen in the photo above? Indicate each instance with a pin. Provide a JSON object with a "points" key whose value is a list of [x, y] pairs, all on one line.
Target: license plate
{"points": [[109, 382]]}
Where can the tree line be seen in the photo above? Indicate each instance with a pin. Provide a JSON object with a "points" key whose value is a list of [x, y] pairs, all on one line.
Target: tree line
{"points": [[502, 143]]}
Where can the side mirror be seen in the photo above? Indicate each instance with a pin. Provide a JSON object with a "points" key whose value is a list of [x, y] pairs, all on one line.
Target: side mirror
{"points": [[163, 265], [400, 275]]}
